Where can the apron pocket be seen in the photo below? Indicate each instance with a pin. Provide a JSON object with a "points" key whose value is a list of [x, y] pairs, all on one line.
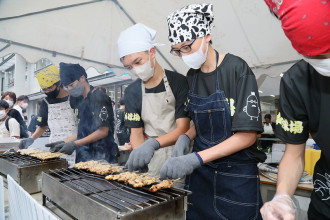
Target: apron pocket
{"points": [[236, 195], [211, 125]]}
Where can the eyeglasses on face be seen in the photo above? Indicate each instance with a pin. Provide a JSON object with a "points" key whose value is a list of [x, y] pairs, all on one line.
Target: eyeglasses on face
{"points": [[183, 49]]}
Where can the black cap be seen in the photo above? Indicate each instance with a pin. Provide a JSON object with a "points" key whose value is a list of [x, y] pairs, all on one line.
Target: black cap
{"points": [[70, 73]]}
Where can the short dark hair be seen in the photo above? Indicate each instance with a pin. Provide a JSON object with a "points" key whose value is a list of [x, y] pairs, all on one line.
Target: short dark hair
{"points": [[122, 101], [268, 116], [4, 104], [10, 94], [22, 97]]}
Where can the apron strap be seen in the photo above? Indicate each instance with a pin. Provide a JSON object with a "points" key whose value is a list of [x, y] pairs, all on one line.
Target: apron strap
{"points": [[217, 86], [46, 101], [217, 74]]}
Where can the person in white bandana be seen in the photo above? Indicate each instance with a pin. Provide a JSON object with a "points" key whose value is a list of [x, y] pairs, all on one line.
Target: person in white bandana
{"points": [[303, 107], [154, 102]]}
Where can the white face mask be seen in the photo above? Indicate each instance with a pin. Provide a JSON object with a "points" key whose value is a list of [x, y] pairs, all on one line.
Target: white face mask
{"points": [[144, 71], [2, 114], [196, 59], [25, 105], [322, 66], [10, 103]]}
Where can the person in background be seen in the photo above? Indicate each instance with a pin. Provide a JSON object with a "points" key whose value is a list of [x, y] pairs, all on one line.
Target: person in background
{"points": [[56, 112], [34, 123], [268, 125], [10, 98], [269, 128], [114, 110], [95, 139], [123, 132], [154, 103], [9, 127], [22, 103], [25, 116], [303, 107], [223, 103]]}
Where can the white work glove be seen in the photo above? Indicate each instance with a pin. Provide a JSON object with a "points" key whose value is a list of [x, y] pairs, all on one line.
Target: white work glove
{"points": [[281, 207], [181, 146]]}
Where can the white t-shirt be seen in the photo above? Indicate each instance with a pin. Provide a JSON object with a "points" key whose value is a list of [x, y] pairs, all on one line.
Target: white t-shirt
{"points": [[268, 128], [19, 109], [14, 128]]}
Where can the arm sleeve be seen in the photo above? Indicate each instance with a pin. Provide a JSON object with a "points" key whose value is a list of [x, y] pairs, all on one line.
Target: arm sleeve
{"points": [[292, 120], [14, 128], [133, 106], [42, 117], [103, 113], [180, 90], [246, 106]]}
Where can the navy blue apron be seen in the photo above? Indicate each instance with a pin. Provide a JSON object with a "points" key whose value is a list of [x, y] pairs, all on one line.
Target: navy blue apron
{"points": [[227, 188], [104, 149]]}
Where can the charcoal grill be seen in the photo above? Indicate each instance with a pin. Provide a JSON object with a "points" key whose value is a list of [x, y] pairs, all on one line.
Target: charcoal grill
{"points": [[76, 194], [26, 170]]}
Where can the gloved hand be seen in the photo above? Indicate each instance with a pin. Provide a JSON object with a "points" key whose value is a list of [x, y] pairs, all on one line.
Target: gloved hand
{"points": [[66, 148], [280, 207], [181, 146], [53, 144], [141, 156], [178, 167], [25, 143]]}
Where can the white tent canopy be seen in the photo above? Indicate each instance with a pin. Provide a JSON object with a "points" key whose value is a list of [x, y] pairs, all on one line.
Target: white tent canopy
{"points": [[86, 32]]}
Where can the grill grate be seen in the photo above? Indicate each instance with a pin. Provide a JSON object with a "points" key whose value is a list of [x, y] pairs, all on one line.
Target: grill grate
{"points": [[120, 197], [18, 159]]}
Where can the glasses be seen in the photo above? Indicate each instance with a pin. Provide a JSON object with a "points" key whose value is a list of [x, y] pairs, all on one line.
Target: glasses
{"points": [[183, 49]]}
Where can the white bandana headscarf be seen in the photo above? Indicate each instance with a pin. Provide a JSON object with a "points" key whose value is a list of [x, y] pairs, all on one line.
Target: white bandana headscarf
{"points": [[190, 22], [137, 38]]}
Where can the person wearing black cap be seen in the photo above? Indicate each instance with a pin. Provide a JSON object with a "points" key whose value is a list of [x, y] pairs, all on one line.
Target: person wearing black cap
{"points": [[95, 139], [9, 127], [223, 103]]}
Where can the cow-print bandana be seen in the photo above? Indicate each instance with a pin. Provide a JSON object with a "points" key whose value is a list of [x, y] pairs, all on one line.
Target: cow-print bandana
{"points": [[190, 22]]}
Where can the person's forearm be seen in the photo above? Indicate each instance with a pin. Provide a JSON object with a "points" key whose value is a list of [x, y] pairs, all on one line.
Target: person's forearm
{"points": [[99, 134], [291, 169], [191, 132], [71, 138], [39, 131], [136, 138], [237, 142], [171, 137]]}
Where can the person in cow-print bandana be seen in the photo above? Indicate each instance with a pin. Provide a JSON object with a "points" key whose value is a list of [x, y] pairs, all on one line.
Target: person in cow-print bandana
{"points": [[223, 103]]}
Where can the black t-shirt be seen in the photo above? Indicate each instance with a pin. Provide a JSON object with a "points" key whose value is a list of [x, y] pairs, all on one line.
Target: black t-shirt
{"points": [[304, 108], [240, 87], [42, 117], [239, 84], [100, 105], [133, 98]]}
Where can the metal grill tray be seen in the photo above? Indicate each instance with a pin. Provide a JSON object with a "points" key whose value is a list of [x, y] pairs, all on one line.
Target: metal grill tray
{"points": [[92, 190], [27, 170]]}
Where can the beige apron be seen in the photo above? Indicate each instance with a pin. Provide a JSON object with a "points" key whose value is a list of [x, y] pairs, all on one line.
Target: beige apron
{"points": [[158, 115], [62, 123]]}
